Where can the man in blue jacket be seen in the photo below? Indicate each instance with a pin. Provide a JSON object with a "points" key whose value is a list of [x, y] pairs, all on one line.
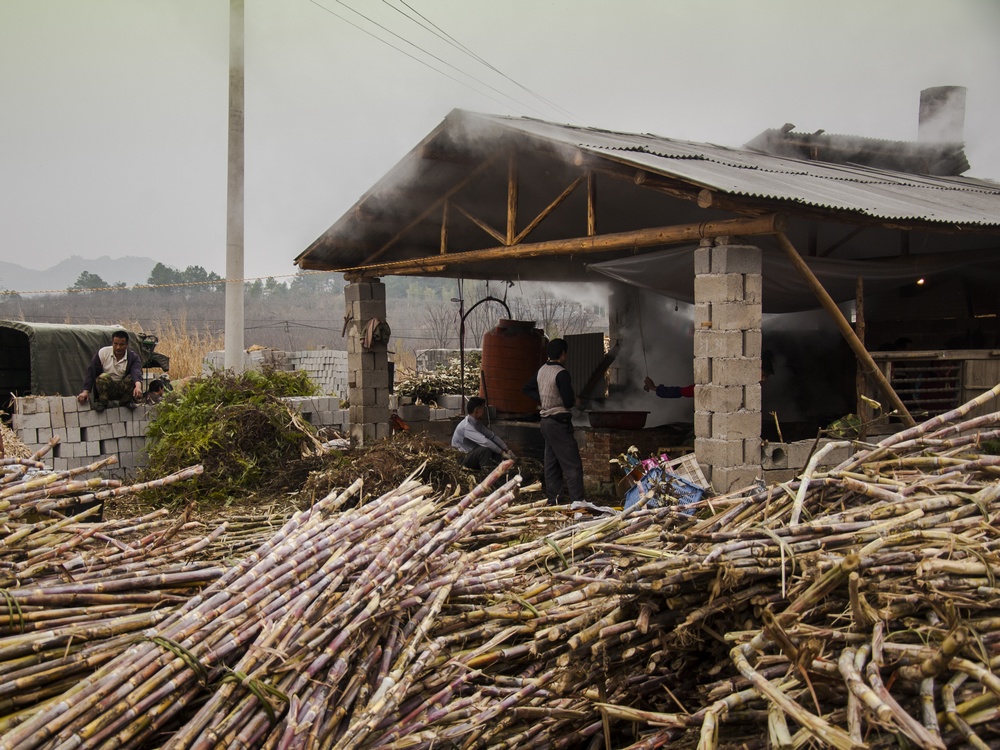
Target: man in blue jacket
{"points": [[114, 376]]}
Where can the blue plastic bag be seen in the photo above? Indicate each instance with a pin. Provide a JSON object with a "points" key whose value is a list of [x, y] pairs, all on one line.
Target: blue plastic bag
{"points": [[664, 483]]}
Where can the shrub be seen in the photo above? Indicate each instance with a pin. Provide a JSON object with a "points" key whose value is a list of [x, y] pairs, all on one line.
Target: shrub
{"points": [[236, 426]]}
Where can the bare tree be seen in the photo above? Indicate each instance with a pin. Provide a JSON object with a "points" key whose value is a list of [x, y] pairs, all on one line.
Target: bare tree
{"points": [[440, 321]]}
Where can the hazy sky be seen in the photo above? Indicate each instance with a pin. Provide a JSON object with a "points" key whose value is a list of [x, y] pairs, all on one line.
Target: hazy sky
{"points": [[114, 112]]}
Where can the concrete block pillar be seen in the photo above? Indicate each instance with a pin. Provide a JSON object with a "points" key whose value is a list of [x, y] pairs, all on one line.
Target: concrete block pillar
{"points": [[727, 347], [367, 364]]}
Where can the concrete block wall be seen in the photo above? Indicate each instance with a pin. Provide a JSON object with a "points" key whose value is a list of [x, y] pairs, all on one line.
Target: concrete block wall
{"points": [[783, 462], [429, 360], [327, 368], [727, 348], [86, 436]]}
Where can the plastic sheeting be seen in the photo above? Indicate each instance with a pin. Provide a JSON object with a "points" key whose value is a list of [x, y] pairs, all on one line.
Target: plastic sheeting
{"points": [[671, 273]]}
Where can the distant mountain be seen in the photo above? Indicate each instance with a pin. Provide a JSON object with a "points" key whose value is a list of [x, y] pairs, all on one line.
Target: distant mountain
{"points": [[63, 275]]}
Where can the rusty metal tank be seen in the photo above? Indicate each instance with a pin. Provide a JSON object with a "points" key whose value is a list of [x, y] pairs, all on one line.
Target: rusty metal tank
{"points": [[512, 354]]}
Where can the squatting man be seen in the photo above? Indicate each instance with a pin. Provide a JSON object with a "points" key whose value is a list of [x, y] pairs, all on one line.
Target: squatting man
{"points": [[114, 376], [481, 448]]}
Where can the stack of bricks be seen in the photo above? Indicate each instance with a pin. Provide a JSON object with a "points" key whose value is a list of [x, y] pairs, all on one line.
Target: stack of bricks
{"points": [[84, 435], [727, 350], [327, 368], [321, 411], [367, 367]]}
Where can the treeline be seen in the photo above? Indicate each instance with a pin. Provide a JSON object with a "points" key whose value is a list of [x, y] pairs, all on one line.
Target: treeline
{"points": [[306, 311]]}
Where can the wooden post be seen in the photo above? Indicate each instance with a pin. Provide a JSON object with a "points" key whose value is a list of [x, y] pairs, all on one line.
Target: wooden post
{"points": [[862, 409], [864, 358]]}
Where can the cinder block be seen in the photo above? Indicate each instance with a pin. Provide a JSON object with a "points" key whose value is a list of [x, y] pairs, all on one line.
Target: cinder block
{"points": [[44, 435], [710, 343], [702, 315], [736, 425], [92, 448], [774, 456], [703, 424], [38, 420], [717, 452], [735, 371], [70, 404], [736, 259], [451, 401], [72, 419], [702, 370], [753, 287], [91, 418], [118, 429], [377, 378], [703, 260], [798, 453], [57, 418], [719, 287], [27, 405], [412, 412], [735, 316], [718, 398], [71, 435], [752, 450], [751, 397], [28, 435]]}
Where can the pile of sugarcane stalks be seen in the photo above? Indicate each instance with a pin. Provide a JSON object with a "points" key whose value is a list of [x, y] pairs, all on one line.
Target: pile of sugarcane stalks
{"points": [[854, 607]]}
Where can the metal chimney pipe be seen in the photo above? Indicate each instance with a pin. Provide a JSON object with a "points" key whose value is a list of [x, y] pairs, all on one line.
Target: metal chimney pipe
{"points": [[942, 115]]}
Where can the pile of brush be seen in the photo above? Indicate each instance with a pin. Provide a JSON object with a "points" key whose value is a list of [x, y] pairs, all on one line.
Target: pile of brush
{"points": [[857, 607]]}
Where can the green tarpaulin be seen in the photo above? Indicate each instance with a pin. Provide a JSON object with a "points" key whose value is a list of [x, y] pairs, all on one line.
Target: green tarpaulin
{"points": [[48, 359]]}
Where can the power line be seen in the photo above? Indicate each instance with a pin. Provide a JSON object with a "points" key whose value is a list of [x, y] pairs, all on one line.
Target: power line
{"points": [[422, 62], [445, 36], [206, 282]]}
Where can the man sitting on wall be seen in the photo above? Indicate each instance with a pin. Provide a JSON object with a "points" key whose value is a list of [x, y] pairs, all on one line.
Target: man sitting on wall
{"points": [[481, 447], [114, 375]]}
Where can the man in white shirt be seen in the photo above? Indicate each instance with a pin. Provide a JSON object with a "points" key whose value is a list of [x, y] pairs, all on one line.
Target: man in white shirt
{"points": [[114, 375], [482, 448]]}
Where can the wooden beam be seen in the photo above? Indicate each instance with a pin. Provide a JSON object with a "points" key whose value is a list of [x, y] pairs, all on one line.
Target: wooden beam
{"points": [[548, 210], [582, 245], [482, 225], [511, 198], [591, 203], [444, 228], [483, 166], [864, 358]]}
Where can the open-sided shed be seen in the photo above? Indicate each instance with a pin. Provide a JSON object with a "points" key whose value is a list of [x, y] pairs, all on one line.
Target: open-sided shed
{"points": [[790, 222]]}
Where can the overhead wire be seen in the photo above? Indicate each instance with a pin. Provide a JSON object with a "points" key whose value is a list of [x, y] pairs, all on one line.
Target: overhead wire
{"points": [[426, 52], [432, 27]]}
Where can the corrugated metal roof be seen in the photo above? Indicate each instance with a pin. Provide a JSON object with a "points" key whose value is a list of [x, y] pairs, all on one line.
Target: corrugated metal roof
{"points": [[880, 194]]}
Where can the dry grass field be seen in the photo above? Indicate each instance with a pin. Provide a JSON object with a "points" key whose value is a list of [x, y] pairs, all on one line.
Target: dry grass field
{"points": [[184, 343]]}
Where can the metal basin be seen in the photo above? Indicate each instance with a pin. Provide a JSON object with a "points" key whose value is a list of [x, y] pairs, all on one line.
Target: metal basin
{"points": [[618, 420]]}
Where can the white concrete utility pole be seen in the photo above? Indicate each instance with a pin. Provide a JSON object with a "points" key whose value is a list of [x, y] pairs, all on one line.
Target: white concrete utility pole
{"points": [[234, 222]]}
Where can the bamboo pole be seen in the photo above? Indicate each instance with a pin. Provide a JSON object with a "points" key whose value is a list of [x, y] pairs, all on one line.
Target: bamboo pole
{"points": [[579, 245], [864, 358]]}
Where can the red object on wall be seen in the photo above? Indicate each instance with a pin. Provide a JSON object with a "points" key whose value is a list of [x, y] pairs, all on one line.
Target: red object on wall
{"points": [[512, 354]]}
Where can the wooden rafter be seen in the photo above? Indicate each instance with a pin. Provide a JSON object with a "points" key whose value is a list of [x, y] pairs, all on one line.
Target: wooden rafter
{"points": [[483, 166], [578, 245]]}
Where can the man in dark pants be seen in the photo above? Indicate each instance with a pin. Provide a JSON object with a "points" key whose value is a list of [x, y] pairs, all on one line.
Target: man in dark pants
{"points": [[481, 448], [114, 376], [552, 387]]}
